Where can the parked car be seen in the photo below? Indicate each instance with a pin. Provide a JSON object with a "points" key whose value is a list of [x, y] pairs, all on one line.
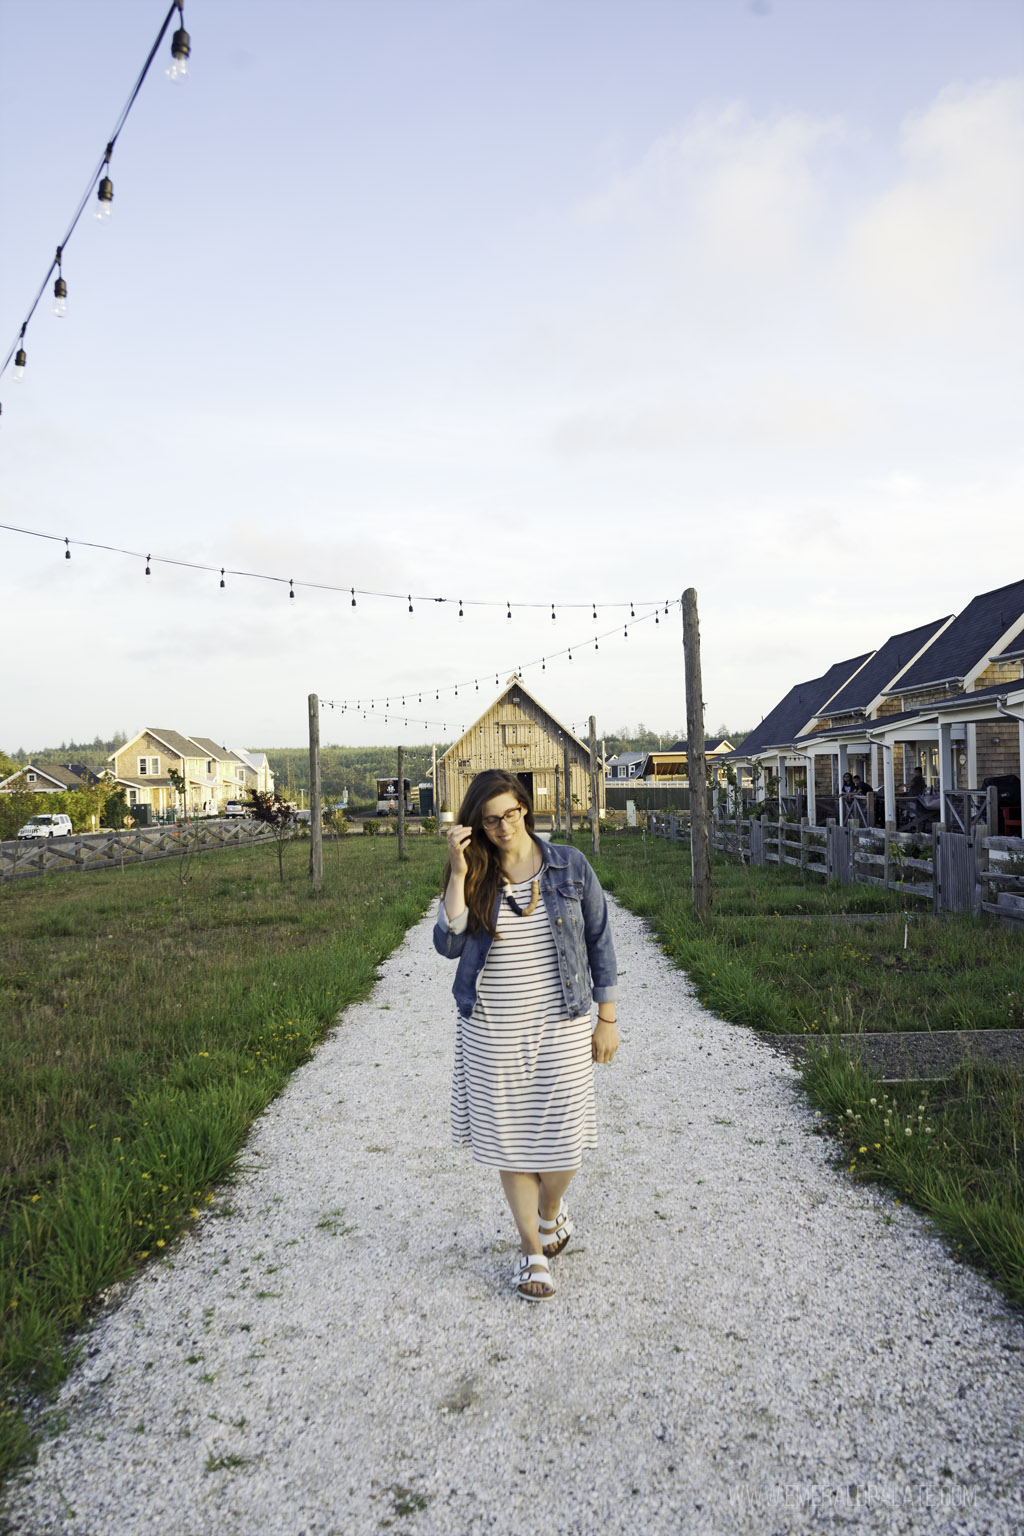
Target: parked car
{"points": [[234, 808], [55, 824]]}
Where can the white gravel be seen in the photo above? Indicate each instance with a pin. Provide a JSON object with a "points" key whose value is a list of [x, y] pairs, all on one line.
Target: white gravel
{"points": [[743, 1341]]}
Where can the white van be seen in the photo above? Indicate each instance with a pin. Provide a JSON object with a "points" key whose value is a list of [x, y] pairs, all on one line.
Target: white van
{"points": [[47, 825]]}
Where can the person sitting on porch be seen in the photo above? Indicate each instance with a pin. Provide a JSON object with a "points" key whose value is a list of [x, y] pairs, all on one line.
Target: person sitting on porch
{"points": [[847, 788], [917, 785], [859, 787]]}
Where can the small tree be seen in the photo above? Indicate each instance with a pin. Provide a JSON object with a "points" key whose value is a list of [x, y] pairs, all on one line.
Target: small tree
{"points": [[180, 788], [275, 812]]}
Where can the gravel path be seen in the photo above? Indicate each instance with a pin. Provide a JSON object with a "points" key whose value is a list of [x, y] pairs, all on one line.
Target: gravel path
{"points": [[743, 1342]]}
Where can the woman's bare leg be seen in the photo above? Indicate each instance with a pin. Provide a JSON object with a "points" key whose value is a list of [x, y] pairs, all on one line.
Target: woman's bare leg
{"points": [[522, 1191], [553, 1186]]}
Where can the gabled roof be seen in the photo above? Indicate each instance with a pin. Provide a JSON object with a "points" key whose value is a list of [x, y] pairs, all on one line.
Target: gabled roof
{"points": [[965, 647], [177, 744], [64, 778], [211, 749], [711, 744], [878, 674], [515, 685], [802, 704]]}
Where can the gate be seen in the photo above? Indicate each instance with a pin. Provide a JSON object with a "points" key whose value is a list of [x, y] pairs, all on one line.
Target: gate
{"points": [[954, 872]]}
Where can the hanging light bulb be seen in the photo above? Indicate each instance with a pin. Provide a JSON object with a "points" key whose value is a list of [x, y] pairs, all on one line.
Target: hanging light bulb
{"points": [[291, 589], [570, 654], [508, 605], [410, 602], [67, 549], [60, 289], [353, 597], [19, 363], [181, 47], [148, 571], [596, 646], [105, 190], [631, 613], [461, 614], [222, 575], [543, 664], [594, 607]]}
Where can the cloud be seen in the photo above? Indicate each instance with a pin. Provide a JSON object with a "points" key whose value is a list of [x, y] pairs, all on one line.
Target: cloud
{"points": [[941, 249]]}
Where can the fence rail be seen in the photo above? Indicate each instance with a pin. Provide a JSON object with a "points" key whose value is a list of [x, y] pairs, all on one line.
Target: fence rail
{"points": [[956, 871], [112, 850]]}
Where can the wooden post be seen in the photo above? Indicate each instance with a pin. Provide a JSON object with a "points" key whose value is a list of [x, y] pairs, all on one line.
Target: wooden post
{"points": [[595, 808], [700, 852], [401, 803], [437, 803], [568, 790], [558, 802], [316, 831]]}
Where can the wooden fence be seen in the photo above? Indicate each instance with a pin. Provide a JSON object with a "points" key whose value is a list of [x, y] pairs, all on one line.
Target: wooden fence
{"points": [[955, 871], [113, 850]]}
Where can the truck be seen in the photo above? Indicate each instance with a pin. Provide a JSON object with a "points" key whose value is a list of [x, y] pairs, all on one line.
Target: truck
{"points": [[387, 797]]}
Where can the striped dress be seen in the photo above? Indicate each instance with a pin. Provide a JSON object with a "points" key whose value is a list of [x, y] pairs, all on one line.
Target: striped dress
{"points": [[523, 1085]]}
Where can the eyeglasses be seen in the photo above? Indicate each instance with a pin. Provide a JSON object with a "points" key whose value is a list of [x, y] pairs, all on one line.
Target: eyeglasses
{"points": [[492, 823]]}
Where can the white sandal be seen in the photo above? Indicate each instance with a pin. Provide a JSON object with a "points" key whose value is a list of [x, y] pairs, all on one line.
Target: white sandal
{"points": [[532, 1269], [555, 1234]]}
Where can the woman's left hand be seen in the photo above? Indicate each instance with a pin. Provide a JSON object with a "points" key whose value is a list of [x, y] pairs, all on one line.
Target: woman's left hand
{"points": [[604, 1042]]}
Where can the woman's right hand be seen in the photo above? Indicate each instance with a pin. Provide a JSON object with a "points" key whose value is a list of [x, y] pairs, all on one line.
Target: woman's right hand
{"points": [[459, 838]]}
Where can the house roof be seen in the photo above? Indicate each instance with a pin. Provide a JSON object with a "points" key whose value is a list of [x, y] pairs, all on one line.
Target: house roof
{"points": [[515, 685], [211, 749], [179, 745], [799, 707], [969, 640], [878, 674], [711, 744], [64, 777]]}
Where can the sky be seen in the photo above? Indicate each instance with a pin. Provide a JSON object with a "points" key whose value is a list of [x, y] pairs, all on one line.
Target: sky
{"points": [[528, 302]]}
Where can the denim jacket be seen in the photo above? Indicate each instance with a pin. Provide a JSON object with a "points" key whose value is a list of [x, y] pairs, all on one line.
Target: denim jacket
{"points": [[578, 917]]}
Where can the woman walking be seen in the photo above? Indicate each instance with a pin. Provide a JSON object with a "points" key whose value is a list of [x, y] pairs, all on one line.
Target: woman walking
{"points": [[528, 923]]}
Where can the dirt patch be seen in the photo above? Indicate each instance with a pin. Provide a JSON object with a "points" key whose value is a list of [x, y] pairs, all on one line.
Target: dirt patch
{"points": [[920, 1055]]}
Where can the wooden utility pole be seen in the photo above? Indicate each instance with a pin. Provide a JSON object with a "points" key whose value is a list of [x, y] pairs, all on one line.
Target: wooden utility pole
{"points": [[568, 790], [558, 801], [316, 829], [595, 808], [401, 803], [696, 763]]}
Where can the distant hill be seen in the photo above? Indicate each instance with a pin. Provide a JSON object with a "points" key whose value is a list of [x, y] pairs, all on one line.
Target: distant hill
{"points": [[353, 768]]}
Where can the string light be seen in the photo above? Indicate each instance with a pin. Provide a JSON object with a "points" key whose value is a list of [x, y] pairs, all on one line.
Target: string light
{"points": [[461, 614], [509, 614], [181, 48], [291, 589], [60, 289], [105, 190], [222, 576], [410, 602], [148, 571], [67, 551], [99, 181], [20, 360]]}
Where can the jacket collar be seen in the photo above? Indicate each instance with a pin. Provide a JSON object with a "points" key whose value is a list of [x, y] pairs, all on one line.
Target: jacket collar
{"points": [[555, 855]]}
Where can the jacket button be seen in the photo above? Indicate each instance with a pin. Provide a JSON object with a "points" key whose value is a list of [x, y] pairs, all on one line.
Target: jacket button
{"points": [[558, 922]]}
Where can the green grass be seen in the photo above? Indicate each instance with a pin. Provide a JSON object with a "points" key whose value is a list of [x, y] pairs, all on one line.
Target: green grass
{"points": [[791, 955], [788, 954], [143, 1027]]}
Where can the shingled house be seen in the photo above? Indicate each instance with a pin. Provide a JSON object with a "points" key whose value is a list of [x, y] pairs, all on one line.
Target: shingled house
{"points": [[518, 734], [944, 699]]}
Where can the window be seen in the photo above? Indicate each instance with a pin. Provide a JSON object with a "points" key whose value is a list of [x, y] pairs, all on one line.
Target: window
{"points": [[143, 766], [30, 777], [149, 766]]}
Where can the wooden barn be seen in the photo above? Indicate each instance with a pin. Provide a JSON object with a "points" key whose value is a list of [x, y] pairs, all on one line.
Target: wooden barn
{"points": [[519, 735]]}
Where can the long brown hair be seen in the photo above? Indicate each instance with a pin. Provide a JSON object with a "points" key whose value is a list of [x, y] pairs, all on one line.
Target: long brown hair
{"points": [[484, 876]]}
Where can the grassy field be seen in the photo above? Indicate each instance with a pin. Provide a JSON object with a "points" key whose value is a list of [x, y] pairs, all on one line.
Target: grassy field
{"points": [[787, 954], [146, 1018]]}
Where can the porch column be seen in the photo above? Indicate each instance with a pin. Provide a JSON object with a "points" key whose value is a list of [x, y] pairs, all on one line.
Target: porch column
{"points": [[844, 768], [812, 816], [945, 765], [889, 781], [971, 733]]}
